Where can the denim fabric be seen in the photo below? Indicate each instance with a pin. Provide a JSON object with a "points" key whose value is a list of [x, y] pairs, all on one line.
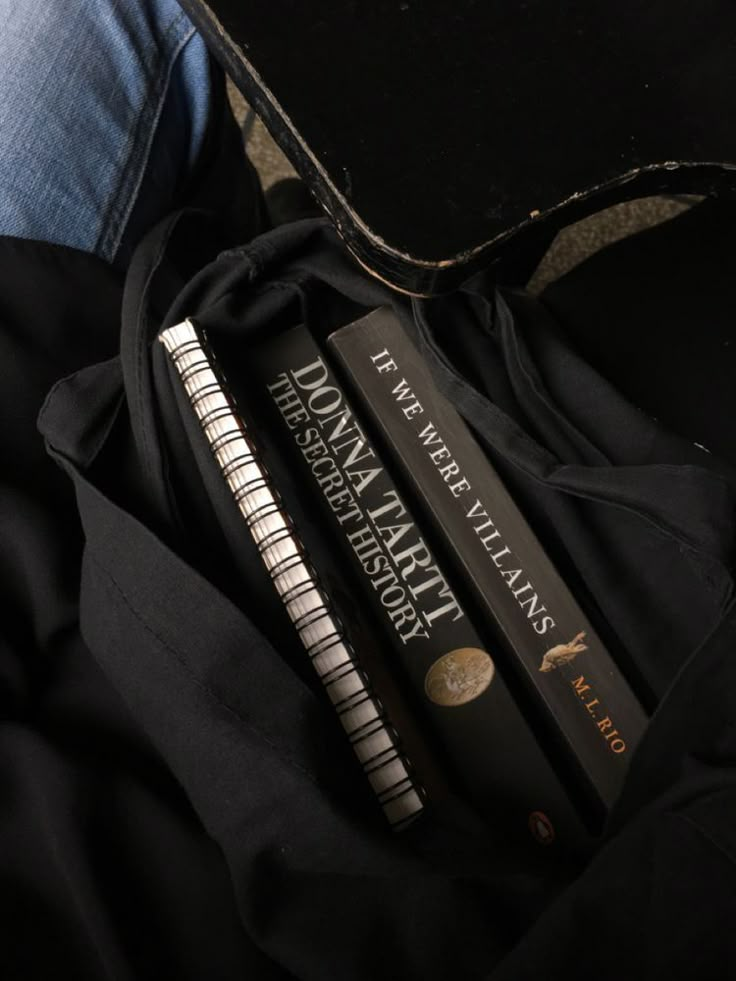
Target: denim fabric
{"points": [[101, 99]]}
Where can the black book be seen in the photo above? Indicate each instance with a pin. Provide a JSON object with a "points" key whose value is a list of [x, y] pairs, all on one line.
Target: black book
{"points": [[585, 706], [426, 636]]}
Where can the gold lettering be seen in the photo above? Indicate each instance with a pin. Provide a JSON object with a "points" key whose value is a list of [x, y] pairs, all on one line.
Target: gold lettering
{"points": [[605, 726], [580, 686]]}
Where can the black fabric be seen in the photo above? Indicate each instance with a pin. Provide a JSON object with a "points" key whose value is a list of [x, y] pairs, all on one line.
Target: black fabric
{"points": [[178, 799], [671, 351], [639, 518]]}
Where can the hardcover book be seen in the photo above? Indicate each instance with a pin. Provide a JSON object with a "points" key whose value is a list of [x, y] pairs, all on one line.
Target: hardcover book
{"points": [[426, 635], [584, 704]]}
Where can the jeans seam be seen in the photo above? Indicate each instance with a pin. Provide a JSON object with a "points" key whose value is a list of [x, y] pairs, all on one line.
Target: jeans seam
{"points": [[123, 199]]}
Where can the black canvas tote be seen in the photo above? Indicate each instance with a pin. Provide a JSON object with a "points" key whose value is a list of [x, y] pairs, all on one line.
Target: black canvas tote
{"points": [[244, 791]]}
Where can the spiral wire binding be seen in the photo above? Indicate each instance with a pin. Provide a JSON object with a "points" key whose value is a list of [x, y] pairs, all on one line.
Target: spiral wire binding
{"points": [[373, 739]]}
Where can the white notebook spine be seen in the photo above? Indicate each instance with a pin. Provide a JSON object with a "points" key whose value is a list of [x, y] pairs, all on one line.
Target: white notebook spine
{"points": [[308, 607]]}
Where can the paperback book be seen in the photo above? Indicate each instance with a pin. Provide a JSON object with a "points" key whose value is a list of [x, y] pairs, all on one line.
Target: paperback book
{"points": [[587, 713]]}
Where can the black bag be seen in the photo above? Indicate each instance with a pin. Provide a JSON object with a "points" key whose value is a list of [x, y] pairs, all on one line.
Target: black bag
{"points": [[186, 627]]}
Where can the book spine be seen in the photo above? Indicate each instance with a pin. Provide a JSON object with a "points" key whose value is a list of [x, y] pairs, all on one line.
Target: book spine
{"points": [[484, 737], [293, 575], [341, 584], [587, 706]]}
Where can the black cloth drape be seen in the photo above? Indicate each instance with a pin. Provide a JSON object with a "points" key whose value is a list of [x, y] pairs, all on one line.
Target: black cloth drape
{"points": [[177, 798]]}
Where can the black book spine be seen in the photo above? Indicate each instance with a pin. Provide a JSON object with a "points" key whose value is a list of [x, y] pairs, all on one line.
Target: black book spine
{"points": [[583, 700], [483, 736]]}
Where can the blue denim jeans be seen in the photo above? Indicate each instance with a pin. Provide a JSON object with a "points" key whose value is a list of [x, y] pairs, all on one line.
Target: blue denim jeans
{"points": [[103, 110]]}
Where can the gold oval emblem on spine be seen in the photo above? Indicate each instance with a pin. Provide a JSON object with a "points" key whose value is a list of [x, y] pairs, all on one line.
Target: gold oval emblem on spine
{"points": [[459, 677]]}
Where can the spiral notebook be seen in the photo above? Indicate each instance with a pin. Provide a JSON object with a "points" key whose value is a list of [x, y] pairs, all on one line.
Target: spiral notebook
{"points": [[294, 577]]}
